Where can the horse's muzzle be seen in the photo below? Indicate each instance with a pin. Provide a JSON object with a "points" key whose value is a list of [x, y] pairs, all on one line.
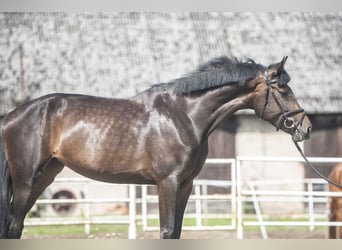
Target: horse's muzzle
{"points": [[302, 133]]}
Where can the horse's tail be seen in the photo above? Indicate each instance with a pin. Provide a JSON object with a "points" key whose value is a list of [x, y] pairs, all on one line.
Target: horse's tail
{"points": [[5, 194]]}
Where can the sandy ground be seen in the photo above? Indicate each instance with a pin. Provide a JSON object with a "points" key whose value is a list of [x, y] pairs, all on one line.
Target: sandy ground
{"points": [[203, 235]]}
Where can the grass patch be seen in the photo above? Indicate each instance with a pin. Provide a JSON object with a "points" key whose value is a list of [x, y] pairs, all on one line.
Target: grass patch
{"points": [[284, 228], [192, 222], [52, 230], [72, 230], [78, 231]]}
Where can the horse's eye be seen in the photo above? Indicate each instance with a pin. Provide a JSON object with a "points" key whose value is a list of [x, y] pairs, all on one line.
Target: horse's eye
{"points": [[283, 91]]}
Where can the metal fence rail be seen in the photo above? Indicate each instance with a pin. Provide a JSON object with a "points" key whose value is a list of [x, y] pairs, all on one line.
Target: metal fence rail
{"points": [[88, 219], [238, 192], [201, 197], [248, 192]]}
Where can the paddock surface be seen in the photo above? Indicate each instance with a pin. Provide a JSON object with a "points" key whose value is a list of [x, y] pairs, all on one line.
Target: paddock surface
{"points": [[281, 234]]}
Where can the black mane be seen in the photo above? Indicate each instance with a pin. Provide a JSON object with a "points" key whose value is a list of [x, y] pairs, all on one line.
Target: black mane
{"points": [[217, 72]]}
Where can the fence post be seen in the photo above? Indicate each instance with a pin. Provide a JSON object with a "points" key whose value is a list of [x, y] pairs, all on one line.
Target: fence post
{"points": [[144, 206], [198, 205], [132, 228], [87, 209], [239, 200], [258, 212], [311, 206], [233, 192], [205, 203]]}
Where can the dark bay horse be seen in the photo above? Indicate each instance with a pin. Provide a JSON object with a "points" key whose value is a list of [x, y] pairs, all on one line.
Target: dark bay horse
{"points": [[159, 136], [335, 202]]}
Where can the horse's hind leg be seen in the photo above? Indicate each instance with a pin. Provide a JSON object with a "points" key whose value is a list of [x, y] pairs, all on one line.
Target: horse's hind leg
{"points": [[332, 229], [43, 180], [25, 194], [339, 218]]}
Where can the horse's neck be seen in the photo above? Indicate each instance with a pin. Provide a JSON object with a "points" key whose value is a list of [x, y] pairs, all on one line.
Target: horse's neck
{"points": [[210, 109]]}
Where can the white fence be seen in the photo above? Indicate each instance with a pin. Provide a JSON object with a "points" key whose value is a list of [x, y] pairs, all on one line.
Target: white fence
{"points": [[238, 193], [88, 219], [201, 198], [247, 192]]}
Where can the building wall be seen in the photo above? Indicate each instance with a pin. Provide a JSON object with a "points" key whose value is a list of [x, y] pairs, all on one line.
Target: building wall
{"points": [[325, 141], [120, 54], [258, 138]]}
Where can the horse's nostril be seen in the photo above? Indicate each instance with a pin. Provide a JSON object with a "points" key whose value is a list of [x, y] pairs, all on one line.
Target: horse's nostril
{"points": [[309, 129]]}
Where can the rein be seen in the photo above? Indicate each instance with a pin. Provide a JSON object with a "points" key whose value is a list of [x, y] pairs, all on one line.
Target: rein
{"points": [[291, 124], [314, 169]]}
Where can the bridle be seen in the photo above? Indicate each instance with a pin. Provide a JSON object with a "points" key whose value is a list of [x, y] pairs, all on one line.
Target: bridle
{"points": [[286, 115], [290, 123]]}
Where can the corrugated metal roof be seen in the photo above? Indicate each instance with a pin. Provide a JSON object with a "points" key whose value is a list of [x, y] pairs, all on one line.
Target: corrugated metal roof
{"points": [[120, 54]]}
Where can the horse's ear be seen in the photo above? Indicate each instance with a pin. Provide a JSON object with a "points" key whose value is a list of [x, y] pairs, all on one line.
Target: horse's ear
{"points": [[280, 66]]}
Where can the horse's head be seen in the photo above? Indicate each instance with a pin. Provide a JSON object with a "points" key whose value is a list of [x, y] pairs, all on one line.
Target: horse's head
{"points": [[274, 101]]}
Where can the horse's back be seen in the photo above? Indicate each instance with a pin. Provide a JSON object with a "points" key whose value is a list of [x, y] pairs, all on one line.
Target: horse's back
{"points": [[134, 140], [98, 137], [70, 106]]}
